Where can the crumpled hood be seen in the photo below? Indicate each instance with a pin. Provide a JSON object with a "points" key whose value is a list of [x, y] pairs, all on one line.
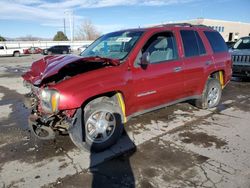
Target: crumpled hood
{"points": [[51, 65]]}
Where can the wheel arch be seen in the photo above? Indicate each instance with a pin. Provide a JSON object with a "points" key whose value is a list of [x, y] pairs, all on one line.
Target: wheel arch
{"points": [[219, 75], [116, 97], [16, 52]]}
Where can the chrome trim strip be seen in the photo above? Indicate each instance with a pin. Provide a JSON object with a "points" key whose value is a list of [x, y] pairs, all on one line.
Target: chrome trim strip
{"points": [[146, 93]]}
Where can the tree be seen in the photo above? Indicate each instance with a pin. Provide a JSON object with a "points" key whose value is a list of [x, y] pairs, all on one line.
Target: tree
{"points": [[2, 39], [87, 31], [60, 36]]}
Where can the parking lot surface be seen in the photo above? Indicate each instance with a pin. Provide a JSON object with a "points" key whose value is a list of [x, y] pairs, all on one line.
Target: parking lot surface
{"points": [[177, 146]]}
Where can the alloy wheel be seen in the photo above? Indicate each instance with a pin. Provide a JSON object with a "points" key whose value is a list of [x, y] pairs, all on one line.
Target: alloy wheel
{"points": [[100, 126]]}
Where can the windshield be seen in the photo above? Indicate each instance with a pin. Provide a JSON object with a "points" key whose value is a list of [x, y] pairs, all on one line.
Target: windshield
{"points": [[243, 43], [115, 45]]}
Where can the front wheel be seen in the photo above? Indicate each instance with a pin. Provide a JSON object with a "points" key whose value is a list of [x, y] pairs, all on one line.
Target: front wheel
{"points": [[101, 127], [211, 95]]}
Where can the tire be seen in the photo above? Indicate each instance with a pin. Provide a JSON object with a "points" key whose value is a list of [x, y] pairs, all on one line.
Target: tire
{"points": [[16, 54], [105, 119], [211, 95]]}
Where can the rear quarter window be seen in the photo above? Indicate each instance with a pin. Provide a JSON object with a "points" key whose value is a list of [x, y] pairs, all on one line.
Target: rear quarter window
{"points": [[216, 41]]}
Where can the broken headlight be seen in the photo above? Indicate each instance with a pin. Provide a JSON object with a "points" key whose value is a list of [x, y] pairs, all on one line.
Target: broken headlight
{"points": [[49, 100]]}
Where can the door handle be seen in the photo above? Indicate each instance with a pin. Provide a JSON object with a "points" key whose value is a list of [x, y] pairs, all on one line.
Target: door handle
{"points": [[208, 62], [177, 69]]}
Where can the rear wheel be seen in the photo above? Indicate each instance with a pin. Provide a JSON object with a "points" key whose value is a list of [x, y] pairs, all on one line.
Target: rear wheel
{"points": [[101, 127], [211, 95], [16, 54]]}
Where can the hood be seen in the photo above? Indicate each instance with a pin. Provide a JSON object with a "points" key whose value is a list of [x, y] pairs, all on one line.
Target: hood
{"points": [[240, 51], [50, 66]]}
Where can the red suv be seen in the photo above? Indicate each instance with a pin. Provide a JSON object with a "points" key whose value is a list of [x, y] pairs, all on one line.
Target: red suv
{"points": [[124, 74]]}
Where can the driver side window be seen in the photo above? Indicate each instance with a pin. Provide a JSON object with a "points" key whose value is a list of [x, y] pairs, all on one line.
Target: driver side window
{"points": [[161, 47]]}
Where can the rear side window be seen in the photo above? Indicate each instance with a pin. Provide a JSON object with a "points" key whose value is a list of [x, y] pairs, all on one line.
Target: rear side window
{"points": [[216, 41], [200, 44], [192, 43]]}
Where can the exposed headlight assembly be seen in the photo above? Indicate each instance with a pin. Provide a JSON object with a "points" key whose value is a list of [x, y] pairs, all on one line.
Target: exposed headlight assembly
{"points": [[49, 100]]}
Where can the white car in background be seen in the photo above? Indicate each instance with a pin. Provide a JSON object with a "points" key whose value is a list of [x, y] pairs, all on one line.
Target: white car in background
{"points": [[16, 52], [82, 48]]}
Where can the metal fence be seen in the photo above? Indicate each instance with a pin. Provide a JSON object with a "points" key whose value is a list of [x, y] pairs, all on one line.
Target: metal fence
{"points": [[43, 44]]}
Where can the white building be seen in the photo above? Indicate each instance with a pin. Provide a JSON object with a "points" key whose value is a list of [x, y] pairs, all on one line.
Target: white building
{"points": [[230, 31]]}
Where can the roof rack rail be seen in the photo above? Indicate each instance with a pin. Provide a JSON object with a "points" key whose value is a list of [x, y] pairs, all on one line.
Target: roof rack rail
{"points": [[178, 24], [201, 25], [185, 25]]}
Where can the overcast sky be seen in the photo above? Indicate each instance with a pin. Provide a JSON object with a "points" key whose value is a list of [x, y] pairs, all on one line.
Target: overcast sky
{"points": [[42, 18]]}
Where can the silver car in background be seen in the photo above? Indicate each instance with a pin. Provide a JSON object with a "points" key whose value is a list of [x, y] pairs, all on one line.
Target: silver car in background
{"points": [[241, 58]]}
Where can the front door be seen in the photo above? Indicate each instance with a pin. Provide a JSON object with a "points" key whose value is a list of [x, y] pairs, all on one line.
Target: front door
{"points": [[160, 82]]}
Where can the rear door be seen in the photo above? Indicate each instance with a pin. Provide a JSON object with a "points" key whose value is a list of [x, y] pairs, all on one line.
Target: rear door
{"points": [[161, 81], [196, 59], [57, 49]]}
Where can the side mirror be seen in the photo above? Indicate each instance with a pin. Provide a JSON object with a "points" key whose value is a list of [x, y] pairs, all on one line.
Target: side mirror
{"points": [[145, 60]]}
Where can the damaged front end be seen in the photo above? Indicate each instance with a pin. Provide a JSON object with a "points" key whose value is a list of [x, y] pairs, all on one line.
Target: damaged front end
{"points": [[46, 118]]}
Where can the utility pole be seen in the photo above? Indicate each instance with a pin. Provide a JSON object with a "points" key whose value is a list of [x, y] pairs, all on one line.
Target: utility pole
{"points": [[64, 26], [70, 15], [73, 25]]}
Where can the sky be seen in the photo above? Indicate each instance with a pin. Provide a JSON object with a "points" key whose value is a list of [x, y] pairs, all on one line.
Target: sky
{"points": [[43, 18]]}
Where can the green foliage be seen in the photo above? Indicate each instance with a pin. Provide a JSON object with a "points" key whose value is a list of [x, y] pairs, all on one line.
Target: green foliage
{"points": [[2, 39], [60, 36]]}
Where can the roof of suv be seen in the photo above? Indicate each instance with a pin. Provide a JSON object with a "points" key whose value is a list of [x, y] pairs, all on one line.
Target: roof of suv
{"points": [[179, 25], [182, 25]]}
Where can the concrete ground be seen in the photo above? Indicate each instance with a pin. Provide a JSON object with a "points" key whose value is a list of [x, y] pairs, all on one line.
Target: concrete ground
{"points": [[178, 146]]}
